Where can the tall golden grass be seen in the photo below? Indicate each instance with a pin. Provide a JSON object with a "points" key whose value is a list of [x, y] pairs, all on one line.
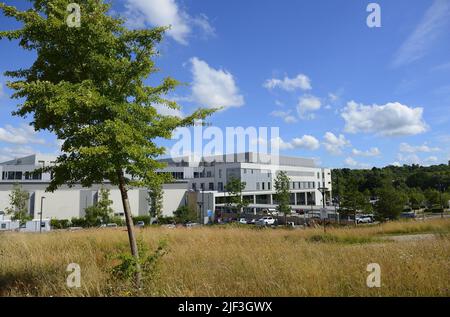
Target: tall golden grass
{"points": [[235, 261]]}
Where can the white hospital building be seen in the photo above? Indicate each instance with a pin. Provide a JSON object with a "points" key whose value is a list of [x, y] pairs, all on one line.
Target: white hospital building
{"points": [[199, 184]]}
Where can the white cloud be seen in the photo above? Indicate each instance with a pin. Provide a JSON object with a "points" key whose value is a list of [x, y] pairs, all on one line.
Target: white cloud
{"points": [[374, 151], [412, 158], [407, 148], [289, 84], [390, 119], [335, 144], [10, 153], [333, 97], [432, 25], [21, 135], [166, 111], [285, 115], [431, 159], [214, 87], [349, 161], [279, 103], [165, 13], [307, 104], [290, 119], [307, 142]]}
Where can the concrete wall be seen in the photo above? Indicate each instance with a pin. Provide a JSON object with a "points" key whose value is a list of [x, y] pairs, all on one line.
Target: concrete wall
{"points": [[66, 202]]}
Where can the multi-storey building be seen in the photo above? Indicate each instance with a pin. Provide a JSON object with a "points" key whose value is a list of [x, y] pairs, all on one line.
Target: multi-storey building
{"points": [[200, 184], [208, 177]]}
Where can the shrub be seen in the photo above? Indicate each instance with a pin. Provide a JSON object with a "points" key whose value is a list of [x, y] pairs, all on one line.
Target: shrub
{"points": [[149, 263], [117, 220], [166, 220], [60, 224], [145, 219], [78, 222], [185, 214]]}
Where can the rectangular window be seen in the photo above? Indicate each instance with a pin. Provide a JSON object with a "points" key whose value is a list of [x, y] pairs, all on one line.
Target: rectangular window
{"points": [[257, 186], [220, 186], [293, 185], [262, 185], [220, 173], [194, 186], [268, 185], [211, 186], [202, 186], [318, 175], [245, 171], [11, 175], [18, 175], [208, 174], [3, 175]]}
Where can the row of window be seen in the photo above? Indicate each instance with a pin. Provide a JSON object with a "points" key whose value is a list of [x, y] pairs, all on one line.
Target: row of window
{"points": [[210, 186], [17, 175], [302, 199]]}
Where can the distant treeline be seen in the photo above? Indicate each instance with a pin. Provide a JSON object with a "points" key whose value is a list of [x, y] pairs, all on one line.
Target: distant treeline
{"points": [[402, 177], [410, 185]]}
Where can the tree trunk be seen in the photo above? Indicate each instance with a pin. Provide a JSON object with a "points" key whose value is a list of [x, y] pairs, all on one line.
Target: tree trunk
{"points": [[129, 221]]}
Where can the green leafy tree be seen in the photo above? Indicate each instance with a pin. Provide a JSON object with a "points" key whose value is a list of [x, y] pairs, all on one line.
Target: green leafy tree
{"points": [[185, 214], [282, 194], [18, 200], [101, 211], [432, 197], [234, 189], [353, 201], [416, 198], [390, 203], [87, 86], [156, 201]]}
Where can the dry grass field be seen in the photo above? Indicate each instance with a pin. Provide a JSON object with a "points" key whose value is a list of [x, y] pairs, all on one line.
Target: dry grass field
{"points": [[235, 261]]}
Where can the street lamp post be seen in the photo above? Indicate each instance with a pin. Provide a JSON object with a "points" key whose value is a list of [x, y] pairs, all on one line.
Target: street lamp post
{"points": [[323, 191], [40, 214]]}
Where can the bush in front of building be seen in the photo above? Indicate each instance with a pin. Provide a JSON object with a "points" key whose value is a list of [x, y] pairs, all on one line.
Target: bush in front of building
{"points": [[185, 214], [166, 220], [78, 222], [60, 223], [145, 219]]}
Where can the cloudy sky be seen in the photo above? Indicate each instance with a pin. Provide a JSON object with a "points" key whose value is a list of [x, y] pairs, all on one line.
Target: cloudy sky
{"points": [[339, 91]]}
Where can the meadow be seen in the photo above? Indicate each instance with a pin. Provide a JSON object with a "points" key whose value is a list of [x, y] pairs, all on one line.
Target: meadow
{"points": [[235, 261]]}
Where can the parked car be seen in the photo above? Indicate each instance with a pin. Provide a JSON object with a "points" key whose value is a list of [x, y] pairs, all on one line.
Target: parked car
{"points": [[191, 224], [266, 221], [363, 219], [140, 224], [243, 221], [111, 225]]}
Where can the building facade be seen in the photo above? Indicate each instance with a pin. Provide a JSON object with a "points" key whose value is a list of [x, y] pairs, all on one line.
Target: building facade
{"points": [[198, 183], [207, 178]]}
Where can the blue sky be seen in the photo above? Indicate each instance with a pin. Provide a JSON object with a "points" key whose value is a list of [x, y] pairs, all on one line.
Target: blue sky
{"points": [[339, 91]]}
